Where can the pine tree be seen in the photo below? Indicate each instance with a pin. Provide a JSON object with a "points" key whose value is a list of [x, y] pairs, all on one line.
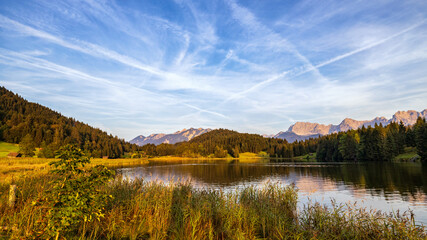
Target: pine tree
{"points": [[348, 144], [420, 129]]}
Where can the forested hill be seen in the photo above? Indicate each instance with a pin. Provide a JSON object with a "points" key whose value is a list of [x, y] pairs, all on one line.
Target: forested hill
{"points": [[50, 130], [222, 142], [235, 141]]}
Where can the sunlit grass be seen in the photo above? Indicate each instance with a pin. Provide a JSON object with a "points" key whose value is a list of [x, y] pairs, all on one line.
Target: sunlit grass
{"points": [[311, 157], [6, 148], [15, 168], [253, 155], [118, 162]]}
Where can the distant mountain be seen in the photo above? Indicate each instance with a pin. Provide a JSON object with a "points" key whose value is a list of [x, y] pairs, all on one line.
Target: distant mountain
{"points": [[180, 136], [409, 117], [305, 130], [292, 137]]}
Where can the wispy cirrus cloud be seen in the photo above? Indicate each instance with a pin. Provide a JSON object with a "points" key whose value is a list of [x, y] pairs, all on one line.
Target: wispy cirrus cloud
{"points": [[248, 19], [121, 90], [161, 66], [172, 79]]}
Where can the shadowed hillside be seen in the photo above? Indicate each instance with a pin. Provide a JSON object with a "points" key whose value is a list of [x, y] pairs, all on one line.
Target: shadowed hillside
{"points": [[50, 130]]}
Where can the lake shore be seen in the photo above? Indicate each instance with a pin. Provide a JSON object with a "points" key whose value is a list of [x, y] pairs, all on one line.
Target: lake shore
{"points": [[12, 168]]}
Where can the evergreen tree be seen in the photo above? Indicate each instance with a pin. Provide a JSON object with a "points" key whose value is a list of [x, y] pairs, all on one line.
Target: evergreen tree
{"points": [[26, 146], [348, 144], [420, 130]]}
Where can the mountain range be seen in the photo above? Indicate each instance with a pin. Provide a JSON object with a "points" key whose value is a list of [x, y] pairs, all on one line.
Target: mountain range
{"points": [[296, 132], [305, 130], [180, 136]]}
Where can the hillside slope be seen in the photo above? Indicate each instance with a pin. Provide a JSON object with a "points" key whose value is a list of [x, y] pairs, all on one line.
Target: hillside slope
{"points": [[50, 129]]}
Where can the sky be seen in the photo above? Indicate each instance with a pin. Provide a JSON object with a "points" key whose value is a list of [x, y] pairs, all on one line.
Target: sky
{"points": [[142, 67]]}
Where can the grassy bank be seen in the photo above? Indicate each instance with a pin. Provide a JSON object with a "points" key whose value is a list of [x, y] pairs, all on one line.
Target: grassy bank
{"points": [[311, 157], [141, 210], [15, 168]]}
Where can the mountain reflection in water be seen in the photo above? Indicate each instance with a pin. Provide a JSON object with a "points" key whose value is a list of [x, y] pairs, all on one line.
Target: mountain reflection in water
{"points": [[380, 185]]}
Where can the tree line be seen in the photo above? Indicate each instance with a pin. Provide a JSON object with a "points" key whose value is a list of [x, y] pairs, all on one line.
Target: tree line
{"points": [[376, 143]]}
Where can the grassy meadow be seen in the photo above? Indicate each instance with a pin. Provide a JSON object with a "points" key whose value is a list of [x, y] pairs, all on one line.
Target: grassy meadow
{"points": [[6, 148]]}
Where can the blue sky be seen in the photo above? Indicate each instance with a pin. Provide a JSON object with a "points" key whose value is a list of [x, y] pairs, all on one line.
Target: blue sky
{"points": [[142, 67]]}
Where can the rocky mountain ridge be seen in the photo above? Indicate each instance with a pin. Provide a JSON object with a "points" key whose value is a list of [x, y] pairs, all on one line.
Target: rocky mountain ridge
{"points": [[304, 130], [179, 136]]}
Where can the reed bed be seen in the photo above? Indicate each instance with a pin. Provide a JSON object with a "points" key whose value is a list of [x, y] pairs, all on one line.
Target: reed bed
{"points": [[156, 210]]}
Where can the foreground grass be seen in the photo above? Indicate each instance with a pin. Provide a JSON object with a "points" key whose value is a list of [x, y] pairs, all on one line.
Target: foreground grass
{"points": [[154, 210]]}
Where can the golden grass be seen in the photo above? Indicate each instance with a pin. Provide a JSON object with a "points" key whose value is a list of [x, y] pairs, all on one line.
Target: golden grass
{"points": [[118, 162], [15, 168]]}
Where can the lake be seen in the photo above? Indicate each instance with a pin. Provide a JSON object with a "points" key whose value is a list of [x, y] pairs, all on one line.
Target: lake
{"points": [[383, 186]]}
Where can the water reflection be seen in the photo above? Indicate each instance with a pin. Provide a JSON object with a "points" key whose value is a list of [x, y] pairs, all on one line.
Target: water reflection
{"points": [[384, 186]]}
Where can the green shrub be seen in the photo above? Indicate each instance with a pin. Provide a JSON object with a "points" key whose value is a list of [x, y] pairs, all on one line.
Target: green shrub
{"points": [[75, 196]]}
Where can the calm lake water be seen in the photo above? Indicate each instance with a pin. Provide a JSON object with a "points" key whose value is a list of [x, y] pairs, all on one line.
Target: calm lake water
{"points": [[383, 186]]}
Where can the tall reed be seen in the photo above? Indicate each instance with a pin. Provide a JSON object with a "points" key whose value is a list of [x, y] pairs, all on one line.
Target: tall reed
{"points": [[156, 210]]}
